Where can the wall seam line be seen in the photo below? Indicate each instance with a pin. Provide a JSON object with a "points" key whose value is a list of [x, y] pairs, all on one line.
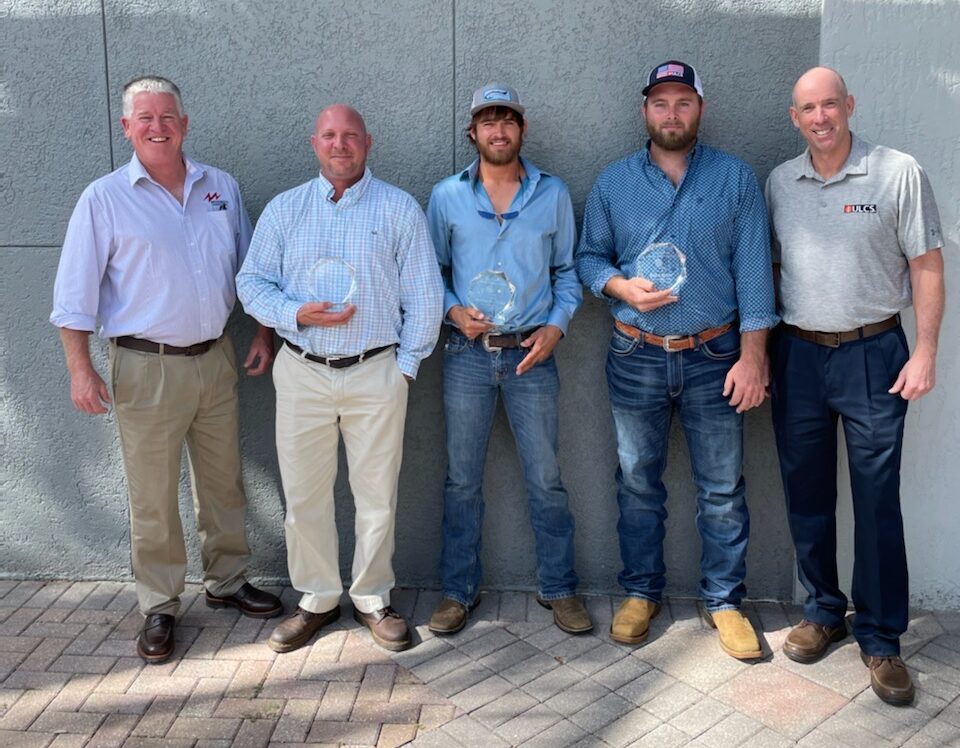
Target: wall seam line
{"points": [[106, 71], [453, 93]]}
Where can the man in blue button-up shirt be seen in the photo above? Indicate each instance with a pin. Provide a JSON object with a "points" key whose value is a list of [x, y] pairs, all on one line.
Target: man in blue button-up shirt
{"points": [[151, 253], [504, 224], [699, 350], [344, 366]]}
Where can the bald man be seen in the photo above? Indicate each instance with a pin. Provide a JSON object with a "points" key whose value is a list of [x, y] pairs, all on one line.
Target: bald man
{"points": [[344, 367], [857, 239]]}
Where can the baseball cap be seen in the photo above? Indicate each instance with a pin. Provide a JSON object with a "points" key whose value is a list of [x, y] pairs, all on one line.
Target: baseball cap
{"points": [[674, 71], [495, 94]]}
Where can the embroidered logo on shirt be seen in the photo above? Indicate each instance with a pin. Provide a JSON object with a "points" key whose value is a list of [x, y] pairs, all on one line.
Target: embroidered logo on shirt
{"points": [[860, 208], [211, 196]]}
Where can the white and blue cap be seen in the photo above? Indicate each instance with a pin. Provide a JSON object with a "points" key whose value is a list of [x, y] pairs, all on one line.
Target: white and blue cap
{"points": [[674, 71], [495, 94]]}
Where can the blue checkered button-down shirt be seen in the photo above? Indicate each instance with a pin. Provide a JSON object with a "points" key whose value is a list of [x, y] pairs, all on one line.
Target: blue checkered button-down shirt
{"points": [[378, 229], [717, 218]]}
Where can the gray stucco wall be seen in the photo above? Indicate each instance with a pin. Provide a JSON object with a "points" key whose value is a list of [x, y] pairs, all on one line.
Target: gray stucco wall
{"points": [[253, 79], [905, 77]]}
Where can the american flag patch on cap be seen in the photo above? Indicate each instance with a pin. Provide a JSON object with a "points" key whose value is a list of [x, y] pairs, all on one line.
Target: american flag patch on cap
{"points": [[669, 70]]}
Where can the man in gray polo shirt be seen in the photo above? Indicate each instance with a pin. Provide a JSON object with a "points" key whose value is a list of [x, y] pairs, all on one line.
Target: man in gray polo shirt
{"points": [[856, 239]]}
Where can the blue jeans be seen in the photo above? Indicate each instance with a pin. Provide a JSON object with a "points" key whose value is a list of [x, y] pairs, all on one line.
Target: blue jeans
{"points": [[472, 379], [646, 383], [813, 387]]}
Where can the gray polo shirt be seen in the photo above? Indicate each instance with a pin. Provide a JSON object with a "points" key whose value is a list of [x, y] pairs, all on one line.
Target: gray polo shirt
{"points": [[843, 244]]}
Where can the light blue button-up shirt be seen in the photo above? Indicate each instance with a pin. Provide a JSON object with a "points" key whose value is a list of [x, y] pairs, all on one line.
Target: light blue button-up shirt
{"points": [[147, 266], [534, 247], [375, 227], [717, 218]]}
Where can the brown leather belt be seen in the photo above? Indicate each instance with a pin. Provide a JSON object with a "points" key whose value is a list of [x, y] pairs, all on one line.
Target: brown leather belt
{"points": [[148, 346], [672, 343], [836, 339], [337, 363], [497, 341]]}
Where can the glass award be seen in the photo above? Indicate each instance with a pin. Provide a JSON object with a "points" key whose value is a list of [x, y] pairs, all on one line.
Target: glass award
{"points": [[333, 280], [663, 264], [492, 292]]}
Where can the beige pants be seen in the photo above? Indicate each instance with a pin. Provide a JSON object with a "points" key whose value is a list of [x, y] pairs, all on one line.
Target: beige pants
{"points": [[367, 405], [160, 402]]}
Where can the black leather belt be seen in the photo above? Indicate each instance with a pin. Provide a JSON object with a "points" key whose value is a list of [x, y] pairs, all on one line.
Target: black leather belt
{"points": [[836, 339], [496, 341], [337, 363], [148, 346]]}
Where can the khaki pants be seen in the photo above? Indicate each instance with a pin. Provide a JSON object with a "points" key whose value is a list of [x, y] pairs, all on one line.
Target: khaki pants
{"points": [[367, 405], [162, 401]]}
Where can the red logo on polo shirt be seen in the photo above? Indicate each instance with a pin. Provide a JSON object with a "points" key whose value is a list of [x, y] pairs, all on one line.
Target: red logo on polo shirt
{"points": [[860, 208], [211, 196]]}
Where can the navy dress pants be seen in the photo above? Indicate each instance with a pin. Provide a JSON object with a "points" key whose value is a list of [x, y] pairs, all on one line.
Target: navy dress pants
{"points": [[813, 386]]}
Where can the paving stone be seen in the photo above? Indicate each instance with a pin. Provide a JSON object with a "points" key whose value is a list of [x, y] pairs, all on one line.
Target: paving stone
{"points": [[135, 741], [250, 709], [15, 623], [19, 739], [683, 614], [628, 728], [460, 679], [601, 712], [621, 672], [415, 693], [66, 740], [27, 679], [113, 731], [482, 692], [8, 697], [159, 717], [125, 599], [673, 700], [551, 683], [504, 709], [547, 637], [511, 655], [89, 640], [600, 608], [396, 713], [422, 652], [353, 733], [841, 670], [664, 736], [468, 733], [646, 686], [248, 680], [204, 728], [578, 696], [294, 724], [123, 673], [433, 716], [491, 642], [768, 738], [821, 739], [246, 652], [82, 664], [377, 683], [852, 734], [73, 694], [513, 606], [934, 667], [118, 703], [427, 600], [940, 651], [733, 729], [563, 733], [26, 709], [337, 702], [249, 630], [206, 645], [45, 654], [73, 722], [205, 697], [438, 666], [24, 591], [596, 658], [935, 734], [528, 724], [701, 716], [205, 669], [692, 656], [392, 736], [488, 608], [525, 629], [404, 601], [19, 644], [770, 694]]}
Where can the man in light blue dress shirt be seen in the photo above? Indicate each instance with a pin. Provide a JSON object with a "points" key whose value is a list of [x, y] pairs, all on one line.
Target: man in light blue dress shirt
{"points": [[503, 220], [349, 351], [151, 253], [699, 350]]}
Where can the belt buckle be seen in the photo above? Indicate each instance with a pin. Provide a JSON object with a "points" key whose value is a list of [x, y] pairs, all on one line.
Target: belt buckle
{"points": [[832, 337], [485, 340], [667, 339]]}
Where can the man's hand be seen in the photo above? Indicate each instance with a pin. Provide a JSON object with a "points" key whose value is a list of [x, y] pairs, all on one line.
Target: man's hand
{"points": [[917, 377], [89, 392], [539, 347], [748, 379], [469, 321], [261, 352], [639, 293], [314, 313]]}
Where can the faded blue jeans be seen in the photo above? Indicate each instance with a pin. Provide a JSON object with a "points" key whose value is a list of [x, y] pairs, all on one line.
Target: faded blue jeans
{"points": [[472, 380], [646, 384]]}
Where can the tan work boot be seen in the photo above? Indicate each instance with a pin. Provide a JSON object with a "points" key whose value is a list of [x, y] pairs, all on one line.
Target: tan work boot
{"points": [[449, 617], [569, 614], [631, 624], [737, 637]]}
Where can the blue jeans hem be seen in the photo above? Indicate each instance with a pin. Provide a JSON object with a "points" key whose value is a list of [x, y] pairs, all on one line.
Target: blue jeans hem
{"points": [[712, 608], [641, 596], [556, 595], [461, 599]]}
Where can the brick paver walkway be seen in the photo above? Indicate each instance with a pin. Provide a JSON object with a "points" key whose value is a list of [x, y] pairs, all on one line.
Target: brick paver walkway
{"points": [[69, 676]]}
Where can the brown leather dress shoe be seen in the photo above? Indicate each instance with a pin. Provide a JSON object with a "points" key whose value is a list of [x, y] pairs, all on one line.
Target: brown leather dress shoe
{"points": [[299, 628], [250, 601], [449, 617], [569, 614], [890, 679], [808, 641], [387, 628], [155, 642]]}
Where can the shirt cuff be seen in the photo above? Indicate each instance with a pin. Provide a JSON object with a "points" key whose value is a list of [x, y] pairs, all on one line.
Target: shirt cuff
{"points": [[74, 321], [559, 318], [408, 363], [754, 322], [601, 280], [450, 300]]}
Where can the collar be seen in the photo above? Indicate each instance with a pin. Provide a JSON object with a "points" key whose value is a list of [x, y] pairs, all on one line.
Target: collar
{"points": [[647, 160], [532, 173], [350, 195], [136, 171], [856, 162]]}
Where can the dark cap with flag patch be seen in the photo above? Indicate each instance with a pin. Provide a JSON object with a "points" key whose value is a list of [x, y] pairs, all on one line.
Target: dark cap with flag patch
{"points": [[673, 71]]}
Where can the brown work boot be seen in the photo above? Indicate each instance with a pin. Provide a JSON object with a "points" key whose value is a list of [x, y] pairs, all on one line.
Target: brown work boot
{"points": [[155, 643], [299, 628], [631, 624], [450, 617], [569, 614], [808, 641], [737, 637], [889, 679], [387, 628]]}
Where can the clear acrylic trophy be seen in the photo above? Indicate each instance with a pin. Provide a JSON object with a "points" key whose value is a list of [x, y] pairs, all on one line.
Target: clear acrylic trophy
{"points": [[333, 280], [492, 292], [663, 264]]}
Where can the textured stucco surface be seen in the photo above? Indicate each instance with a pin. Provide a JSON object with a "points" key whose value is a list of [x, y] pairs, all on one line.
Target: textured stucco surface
{"points": [[905, 77], [253, 81]]}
